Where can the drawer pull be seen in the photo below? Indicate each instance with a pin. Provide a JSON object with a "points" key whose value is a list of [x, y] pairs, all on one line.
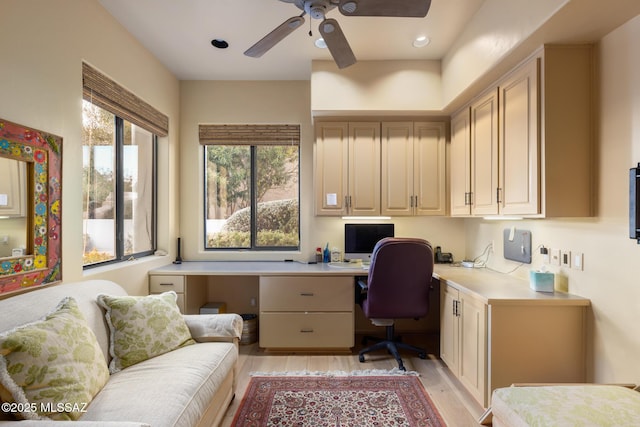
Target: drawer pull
{"points": [[306, 294], [166, 284], [306, 331]]}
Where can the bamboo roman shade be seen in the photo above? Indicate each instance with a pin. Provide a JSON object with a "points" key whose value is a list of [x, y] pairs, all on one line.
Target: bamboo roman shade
{"points": [[249, 134], [105, 93]]}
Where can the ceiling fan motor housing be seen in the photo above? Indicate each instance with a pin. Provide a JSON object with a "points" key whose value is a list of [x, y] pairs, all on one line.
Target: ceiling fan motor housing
{"points": [[317, 9]]}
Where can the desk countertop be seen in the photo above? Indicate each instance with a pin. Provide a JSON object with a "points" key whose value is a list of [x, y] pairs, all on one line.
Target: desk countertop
{"points": [[488, 286], [255, 268], [498, 288]]}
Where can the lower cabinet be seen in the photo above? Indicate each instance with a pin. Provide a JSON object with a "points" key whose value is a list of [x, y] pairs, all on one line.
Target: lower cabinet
{"points": [[190, 290], [506, 341], [306, 312], [463, 337]]}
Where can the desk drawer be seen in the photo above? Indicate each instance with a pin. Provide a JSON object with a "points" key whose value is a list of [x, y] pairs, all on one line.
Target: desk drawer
{"points": [[306, 293], [166, 283], [306, 330]]}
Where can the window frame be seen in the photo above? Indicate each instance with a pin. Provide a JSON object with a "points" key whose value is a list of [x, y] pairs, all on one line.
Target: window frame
{"points": [[254, 206], [119, 216]]}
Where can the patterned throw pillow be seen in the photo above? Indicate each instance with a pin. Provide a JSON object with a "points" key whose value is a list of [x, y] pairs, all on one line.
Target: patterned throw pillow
{"points": [[51, 368], [143, 327]]}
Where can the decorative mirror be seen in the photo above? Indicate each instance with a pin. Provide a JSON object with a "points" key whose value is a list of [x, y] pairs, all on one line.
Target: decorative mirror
{"points": [[30, 205]]}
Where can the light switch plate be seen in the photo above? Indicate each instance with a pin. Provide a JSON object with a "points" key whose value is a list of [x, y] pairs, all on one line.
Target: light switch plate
{"points": [[555, 256], [578, 261]]}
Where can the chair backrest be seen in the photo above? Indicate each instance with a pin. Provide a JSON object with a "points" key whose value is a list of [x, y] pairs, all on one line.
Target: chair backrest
{"points": [[399, 279]]}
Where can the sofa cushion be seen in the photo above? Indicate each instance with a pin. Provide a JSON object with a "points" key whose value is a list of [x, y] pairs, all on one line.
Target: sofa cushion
{"points": [[143, 327], [53, 361], [172, 389]]}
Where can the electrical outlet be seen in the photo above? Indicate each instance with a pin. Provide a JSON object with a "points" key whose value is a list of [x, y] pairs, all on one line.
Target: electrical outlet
{"points": [[555, 256], [566, 259], [578, 261]]}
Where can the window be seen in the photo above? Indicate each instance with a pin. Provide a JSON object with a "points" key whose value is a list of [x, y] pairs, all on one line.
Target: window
{"points": [[119, 141], [252, 193], [118, 188]]}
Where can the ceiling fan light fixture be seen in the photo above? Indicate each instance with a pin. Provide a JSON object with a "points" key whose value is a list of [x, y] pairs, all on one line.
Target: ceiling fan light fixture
{"points": [[421, 41], [320, 43]]}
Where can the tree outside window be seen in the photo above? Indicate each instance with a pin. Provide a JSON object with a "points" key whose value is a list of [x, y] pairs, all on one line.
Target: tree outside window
{"points": [[252, 197]]}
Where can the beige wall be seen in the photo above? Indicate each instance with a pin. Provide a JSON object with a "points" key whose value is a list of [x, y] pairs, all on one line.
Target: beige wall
{"points": [[43, 44], [376, 88], [270, 102], [611, 259], [40, 83]]}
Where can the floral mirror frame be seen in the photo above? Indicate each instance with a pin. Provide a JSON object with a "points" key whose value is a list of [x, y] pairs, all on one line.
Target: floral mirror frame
{"points": [[43, 153]]}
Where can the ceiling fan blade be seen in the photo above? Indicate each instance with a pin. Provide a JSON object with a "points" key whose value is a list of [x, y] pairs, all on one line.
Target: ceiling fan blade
{"points": [[337, 43], [391, 8], [274, 37]]}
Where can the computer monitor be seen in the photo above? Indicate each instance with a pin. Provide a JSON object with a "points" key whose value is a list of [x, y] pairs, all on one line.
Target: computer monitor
{"points": [[360, 239]]}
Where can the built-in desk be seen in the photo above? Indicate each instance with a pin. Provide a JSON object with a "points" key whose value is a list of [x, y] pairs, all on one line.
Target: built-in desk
{"points": [[494, 329], [301, 306]]}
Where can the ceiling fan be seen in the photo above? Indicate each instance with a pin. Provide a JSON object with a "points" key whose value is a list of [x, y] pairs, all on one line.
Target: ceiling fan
{"points": [[329, 28]]}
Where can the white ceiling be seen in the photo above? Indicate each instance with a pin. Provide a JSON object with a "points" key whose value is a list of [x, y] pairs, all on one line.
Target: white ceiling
{"points": [[179, 34]]}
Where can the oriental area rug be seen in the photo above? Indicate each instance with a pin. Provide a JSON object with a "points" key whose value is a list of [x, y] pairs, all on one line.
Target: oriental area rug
{"points": [[336, 401]]}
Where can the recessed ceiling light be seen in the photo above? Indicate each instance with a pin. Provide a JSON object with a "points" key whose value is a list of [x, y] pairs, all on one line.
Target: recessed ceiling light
{"points": [[320, 43], [219, 43], [421, 41]]}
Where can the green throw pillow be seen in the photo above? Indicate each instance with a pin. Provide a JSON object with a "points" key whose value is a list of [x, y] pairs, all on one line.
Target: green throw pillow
{"points": [[51, 368], [143, 327]]}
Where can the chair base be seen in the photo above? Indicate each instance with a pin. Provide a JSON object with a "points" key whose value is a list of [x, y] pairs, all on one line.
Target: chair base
{"points": [[392, 345]]}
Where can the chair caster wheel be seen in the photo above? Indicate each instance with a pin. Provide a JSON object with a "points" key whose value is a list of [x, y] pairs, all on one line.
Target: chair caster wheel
{"points": [[422, 355], [361, 358]]}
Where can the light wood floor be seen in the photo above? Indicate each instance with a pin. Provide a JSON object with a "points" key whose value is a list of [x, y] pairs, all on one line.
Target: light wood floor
{"points": [[455, 405]]}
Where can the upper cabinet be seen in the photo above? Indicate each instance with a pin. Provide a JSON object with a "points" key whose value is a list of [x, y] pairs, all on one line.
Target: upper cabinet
{"points": [[413, 168], [529, 140], [374, 168], [347, 168]]}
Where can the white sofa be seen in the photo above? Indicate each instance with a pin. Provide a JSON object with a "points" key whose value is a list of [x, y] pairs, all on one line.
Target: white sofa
{"points": [[190, 386]]}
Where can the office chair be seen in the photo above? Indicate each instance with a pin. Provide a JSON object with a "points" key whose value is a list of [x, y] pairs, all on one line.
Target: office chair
{"points": [[398, 287]]}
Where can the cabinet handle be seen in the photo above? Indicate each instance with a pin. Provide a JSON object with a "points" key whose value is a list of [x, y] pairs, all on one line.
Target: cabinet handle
{"points": [[306, 294], [350, 204], [498, 190], [166, 284], [306, 331]]}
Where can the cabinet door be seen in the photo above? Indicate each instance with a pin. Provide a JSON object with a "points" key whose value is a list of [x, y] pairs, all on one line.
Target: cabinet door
{"points": [[449, 328], [484, 154], [397, 168], [364, 168], [331, 168], [460, 164], [429, 177], [519, 142], [473, 347]]}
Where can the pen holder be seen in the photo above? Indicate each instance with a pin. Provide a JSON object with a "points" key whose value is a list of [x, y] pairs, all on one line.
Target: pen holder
{"points": [[541, 281]]}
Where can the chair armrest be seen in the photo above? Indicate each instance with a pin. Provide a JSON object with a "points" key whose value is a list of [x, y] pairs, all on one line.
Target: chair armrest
{"points": [[79, 423], [214, 327]]}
